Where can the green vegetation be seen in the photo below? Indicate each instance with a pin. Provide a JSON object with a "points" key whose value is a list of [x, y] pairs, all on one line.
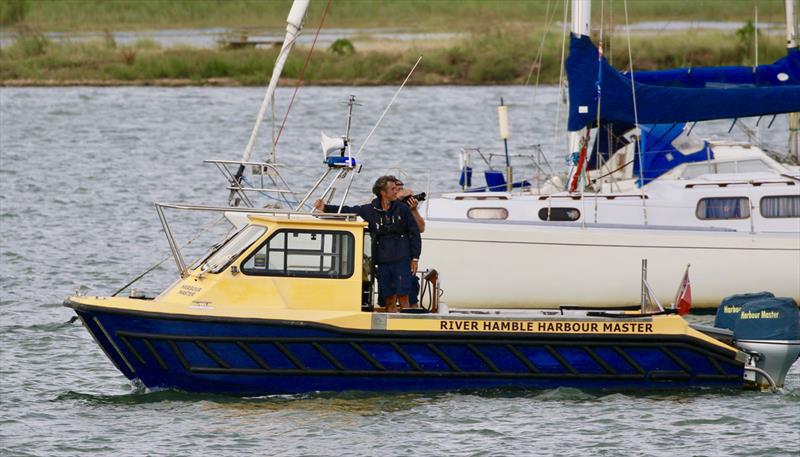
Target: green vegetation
{"points": [[342, 46], [503, 39], [436, 15], [504, 56], [13, 11]]}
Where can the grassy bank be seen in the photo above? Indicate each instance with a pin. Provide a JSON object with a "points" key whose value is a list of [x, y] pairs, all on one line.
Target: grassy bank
{"points": [[438, 15], [496, 57]]}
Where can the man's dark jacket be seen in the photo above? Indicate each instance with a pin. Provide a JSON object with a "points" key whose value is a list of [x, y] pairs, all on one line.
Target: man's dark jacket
{"points": [[394, 232]]}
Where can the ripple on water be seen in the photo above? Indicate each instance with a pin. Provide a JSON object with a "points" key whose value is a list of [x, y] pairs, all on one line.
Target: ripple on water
{"points": [[87, 219]]}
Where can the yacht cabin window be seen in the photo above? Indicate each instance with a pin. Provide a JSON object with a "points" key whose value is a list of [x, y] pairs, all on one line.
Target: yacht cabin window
{"points": [[723, 208], [487, 213], [559, 214], [694, 170], [303, 253], [780, 206], [232, 248]]}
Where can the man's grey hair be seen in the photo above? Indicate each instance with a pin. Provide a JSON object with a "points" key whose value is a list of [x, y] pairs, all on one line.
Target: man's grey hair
{"points": [[381, 183]]}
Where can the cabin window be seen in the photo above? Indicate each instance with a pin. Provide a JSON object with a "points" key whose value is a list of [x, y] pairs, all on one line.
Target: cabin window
{"points": [[781, 206], [723, 208], [487, 213], [559, 214], [749, 166], [730, 167], [303, 253], [233, 248]]}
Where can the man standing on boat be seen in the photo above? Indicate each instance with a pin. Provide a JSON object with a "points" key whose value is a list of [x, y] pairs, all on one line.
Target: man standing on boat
{"points": [[397, 243], [406, 196]]}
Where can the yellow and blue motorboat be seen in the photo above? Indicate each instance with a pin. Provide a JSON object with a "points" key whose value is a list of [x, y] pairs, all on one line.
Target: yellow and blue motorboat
{"points": [[285, 305]]}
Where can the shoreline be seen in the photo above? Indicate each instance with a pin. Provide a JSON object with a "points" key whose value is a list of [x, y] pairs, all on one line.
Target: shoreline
{"points": [[498, 57], [230, 82]]}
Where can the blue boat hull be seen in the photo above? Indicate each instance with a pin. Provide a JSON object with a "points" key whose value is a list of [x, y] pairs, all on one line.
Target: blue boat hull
{"points": [[258, 357]]}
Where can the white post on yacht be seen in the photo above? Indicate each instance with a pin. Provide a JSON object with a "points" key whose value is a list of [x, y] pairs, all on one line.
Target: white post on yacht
{"points": [[791, 42], [294, 23], [502, 116], [791, 24], [581, 25]]}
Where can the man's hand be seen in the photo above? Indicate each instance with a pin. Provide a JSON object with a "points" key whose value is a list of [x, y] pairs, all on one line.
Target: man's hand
{"points": [[414, 265], [412, 203], [319, 205]]}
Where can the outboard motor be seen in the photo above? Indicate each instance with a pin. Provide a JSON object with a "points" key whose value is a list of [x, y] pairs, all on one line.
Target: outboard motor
{"points": [[728, 311], [769, 330]]}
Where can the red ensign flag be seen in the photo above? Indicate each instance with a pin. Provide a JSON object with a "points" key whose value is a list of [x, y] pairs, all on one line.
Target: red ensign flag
{"points": [[684, 297]]}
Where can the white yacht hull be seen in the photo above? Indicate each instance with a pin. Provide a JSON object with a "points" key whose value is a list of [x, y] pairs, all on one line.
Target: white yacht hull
{"points": [[530, 265]]}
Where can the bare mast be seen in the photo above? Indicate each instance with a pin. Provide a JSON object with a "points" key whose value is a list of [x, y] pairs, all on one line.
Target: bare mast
{"points": [[294, 23], [791, 42]]}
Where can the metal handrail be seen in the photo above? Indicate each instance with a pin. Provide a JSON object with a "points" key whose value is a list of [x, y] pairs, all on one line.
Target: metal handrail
{"points": [[175, 249], [260, 189], [238, 162], [268, 211]]}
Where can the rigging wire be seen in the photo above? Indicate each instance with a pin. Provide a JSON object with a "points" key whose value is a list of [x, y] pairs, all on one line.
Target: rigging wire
{"points": [[559, 114], [202, 231], [537, 64], [635, 112], [537, 61], [599, 83], [302, 73], [391, 102]]}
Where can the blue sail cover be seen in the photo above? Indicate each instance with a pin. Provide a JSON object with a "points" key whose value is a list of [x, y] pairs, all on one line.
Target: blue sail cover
{"points": [[784, 72], [657, 104], [660, 155]]}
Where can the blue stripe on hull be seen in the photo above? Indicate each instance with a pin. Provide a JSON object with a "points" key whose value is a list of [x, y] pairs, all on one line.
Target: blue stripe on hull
{"points": [[254, 358]]}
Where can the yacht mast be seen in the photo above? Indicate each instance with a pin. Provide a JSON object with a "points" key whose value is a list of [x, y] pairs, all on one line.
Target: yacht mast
{"points": [[582, 17], [791, 25], [791, 42], [294, 23], [581, 25]]}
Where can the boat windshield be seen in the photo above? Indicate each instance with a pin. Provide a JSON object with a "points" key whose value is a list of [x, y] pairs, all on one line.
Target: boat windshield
{"points": [[232, 248]]}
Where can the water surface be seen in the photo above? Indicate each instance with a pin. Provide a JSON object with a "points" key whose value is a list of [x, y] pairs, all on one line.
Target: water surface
{"points": [[79, 170]]}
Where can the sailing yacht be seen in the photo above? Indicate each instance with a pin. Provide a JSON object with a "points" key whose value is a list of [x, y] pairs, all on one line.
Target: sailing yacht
{"points": [[646, 188]]}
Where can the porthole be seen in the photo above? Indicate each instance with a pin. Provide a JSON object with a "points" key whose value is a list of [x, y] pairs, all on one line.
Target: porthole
{"points": [[559, 214], [487, 213]]}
